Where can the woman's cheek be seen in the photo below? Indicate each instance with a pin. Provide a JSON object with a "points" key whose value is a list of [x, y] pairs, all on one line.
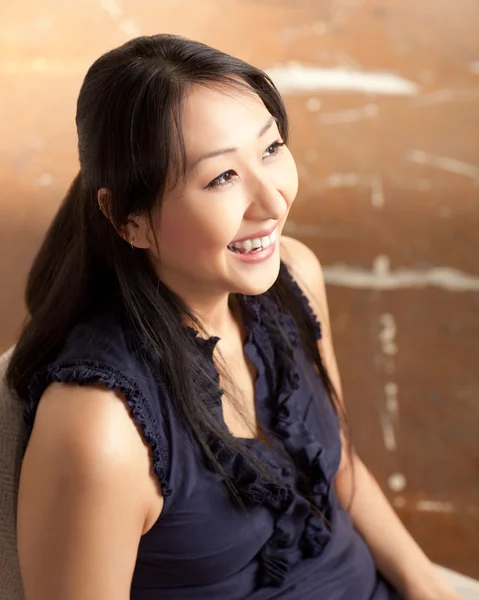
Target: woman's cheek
{"points": [[220, 218], [198, 231], [288, 179]]}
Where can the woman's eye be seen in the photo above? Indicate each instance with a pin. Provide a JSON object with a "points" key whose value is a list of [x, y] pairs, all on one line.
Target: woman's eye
{"points": [[223, 179], [228, 177], [273, 149]]}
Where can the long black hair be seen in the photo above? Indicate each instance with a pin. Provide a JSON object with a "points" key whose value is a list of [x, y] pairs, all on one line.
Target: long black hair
{"points": [[130, 142]]}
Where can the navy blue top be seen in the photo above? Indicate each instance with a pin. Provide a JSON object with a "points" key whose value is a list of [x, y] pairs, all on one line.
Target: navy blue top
{"points": [[203, 545]]}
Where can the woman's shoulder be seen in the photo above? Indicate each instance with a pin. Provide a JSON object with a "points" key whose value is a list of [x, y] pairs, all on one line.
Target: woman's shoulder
{"points": [[99, 349], [99, 379], [87, 429], [302, 262], [305, 268], [95, 352]]}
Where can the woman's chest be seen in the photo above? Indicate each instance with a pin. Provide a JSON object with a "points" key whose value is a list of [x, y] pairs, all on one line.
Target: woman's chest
{"points": [[203, 529]]}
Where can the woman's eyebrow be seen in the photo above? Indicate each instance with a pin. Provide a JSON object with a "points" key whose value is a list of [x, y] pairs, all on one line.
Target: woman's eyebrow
{"points": [[266, 127]]}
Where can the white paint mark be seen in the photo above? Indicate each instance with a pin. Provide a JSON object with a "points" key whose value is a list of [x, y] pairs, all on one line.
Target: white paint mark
{"points": [[381, 265], [377, 192], [369, 111], [397, 482], [295, 78], [129, 28], [313, 104], [434, 506], [44, 180], [399, 502], [389, 437], [390, 410], [474, 67], [445, 278], [39, 64], [339, 180], [112, 8], [444, 163], [391, 391], [387, 335]]}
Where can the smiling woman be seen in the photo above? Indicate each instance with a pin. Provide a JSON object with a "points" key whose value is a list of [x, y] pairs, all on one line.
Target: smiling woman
{"points": [[187, 436], [210, 210]]}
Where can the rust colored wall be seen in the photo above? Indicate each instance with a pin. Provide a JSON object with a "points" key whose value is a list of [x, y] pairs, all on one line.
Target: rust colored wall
{"points": [[383, 98]]}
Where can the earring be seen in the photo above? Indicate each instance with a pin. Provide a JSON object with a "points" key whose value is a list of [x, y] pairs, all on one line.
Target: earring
{"points": [[100, 207], [131, 242]]}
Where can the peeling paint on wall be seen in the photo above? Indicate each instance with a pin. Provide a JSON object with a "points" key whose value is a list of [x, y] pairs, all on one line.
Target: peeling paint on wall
{"points": [[295, 78], [446, 278], [452, 165]]}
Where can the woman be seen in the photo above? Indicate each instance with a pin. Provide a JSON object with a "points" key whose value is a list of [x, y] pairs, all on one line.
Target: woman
{"points": [[189, 442]]}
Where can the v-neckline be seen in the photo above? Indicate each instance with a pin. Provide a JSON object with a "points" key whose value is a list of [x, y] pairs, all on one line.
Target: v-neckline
{"points": [[249, 316]]}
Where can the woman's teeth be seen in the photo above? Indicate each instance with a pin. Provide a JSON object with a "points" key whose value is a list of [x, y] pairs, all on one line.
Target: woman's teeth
{"points": [[254, 244]]}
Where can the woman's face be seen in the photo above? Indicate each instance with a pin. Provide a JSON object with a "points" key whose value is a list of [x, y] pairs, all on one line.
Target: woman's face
{"points": [[241, 181]]}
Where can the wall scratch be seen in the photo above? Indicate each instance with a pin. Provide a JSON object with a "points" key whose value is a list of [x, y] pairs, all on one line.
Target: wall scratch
{"points": [[295, 78], [434, 506], [387, 335], [446, 278], [443, 163], [112, 8]]}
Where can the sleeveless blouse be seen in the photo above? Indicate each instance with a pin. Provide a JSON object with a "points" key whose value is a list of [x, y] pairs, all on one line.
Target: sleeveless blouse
{"points": [[204, 545]]}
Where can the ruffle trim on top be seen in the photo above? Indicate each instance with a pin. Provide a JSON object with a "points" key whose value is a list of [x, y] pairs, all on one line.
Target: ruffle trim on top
{"points": [[305, 450], [84, 372], [297, 531], [288, 508]]}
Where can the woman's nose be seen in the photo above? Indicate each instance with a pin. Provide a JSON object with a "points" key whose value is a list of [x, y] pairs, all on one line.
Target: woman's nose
{"points": [[266, 202]]}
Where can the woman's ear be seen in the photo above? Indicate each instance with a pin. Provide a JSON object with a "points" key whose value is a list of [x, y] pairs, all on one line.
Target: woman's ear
{"points": [[136, 231]]}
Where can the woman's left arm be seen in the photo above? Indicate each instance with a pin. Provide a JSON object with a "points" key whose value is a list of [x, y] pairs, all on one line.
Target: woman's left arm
{"points": [[398, 557]]}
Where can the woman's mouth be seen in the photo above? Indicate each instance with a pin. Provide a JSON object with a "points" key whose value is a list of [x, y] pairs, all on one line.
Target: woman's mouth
{"points": [[253, 245]]}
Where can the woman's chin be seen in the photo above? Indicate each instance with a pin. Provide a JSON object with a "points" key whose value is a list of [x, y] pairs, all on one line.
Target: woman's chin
{"points": [[257, 277]]}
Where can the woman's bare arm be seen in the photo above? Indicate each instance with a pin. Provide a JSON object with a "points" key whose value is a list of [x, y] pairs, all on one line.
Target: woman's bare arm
{"points": [[86, 496]]}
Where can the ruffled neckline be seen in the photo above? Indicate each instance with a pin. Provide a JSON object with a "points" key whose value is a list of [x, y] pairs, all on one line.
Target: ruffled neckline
{"points": [[298, 495]]}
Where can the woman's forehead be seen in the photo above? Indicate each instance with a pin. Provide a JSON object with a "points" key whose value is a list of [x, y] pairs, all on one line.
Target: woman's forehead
{"points": [[221, 116]]}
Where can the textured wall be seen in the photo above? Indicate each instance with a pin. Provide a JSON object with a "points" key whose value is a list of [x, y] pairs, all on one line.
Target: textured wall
{"points": [[383, 98]]}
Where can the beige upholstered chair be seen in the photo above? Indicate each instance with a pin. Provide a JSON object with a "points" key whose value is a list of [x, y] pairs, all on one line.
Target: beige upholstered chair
{"points": [[12, 439]]}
